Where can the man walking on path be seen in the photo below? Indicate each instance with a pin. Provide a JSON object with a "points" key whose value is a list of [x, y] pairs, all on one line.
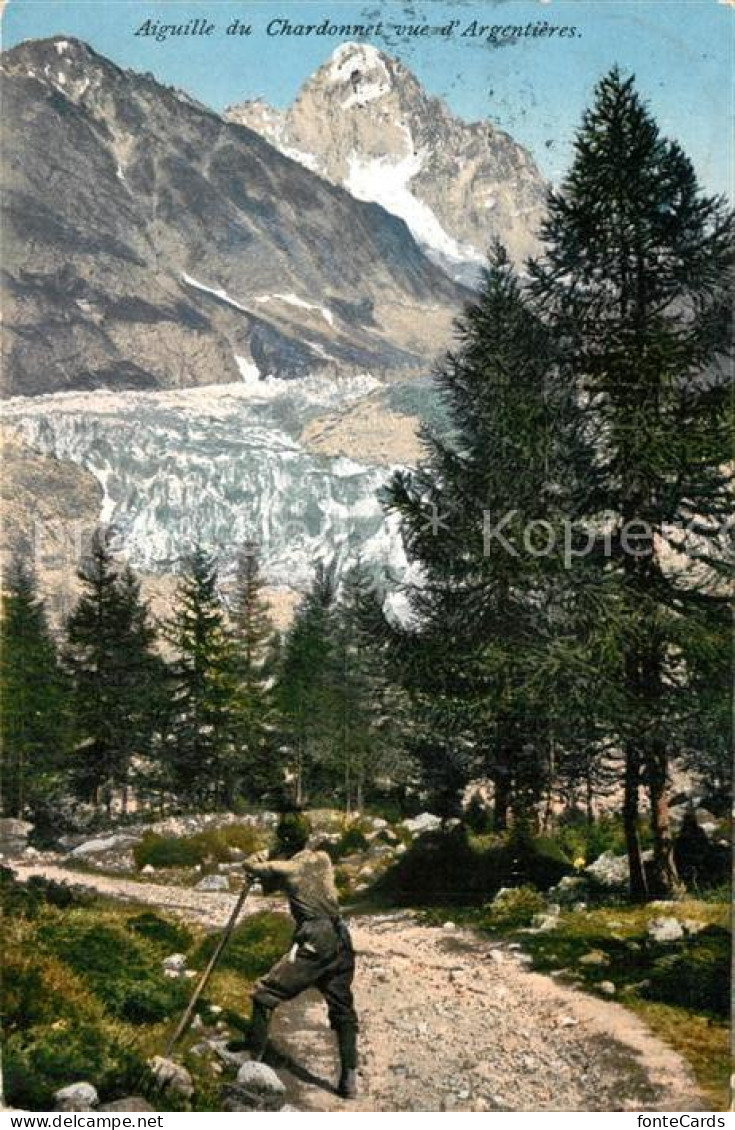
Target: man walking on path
{"points": [[322, 955]]}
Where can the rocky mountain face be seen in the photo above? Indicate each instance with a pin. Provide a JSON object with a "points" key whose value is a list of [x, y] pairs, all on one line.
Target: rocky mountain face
{"points": [[165, 270], [363, 121], [150, 244]]}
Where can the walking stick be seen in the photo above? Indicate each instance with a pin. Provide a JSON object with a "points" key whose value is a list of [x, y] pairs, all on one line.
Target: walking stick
{"points": [[184, 1022]]}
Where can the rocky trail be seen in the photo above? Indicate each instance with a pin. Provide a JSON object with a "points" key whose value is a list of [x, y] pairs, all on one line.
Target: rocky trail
{"points": [[450, 1021]]}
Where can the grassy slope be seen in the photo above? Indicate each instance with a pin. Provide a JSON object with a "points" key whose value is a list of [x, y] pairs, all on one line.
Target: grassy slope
{"points": [[85, 997]]}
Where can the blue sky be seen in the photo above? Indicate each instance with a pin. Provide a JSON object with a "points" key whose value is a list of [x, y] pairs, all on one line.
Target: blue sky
{"points": [[680, 50]]}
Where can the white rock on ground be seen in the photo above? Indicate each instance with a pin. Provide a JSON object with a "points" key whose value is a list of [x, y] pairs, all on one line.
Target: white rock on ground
{"points": [[665, 929], [172, 1076], [175, 962], [425, 822], [77, 1096], [610, 870], [259, 1079]]}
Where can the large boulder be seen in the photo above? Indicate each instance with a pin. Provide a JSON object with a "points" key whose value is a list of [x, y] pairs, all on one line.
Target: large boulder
{"points": [[425, 822], [77, 1096], [259, 1079], [610, 870], [14, 837]]}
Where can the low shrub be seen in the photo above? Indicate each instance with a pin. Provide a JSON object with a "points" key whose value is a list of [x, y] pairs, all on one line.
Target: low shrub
{"points": [[170, 936], [211, 846], [511, 910], [477, 816], [37, 1063], [122, 970], [26, 900], [351, 841], [700, 863], [254, 946], [168, 851], [450, 867], [578, 838], [56, 1031]]}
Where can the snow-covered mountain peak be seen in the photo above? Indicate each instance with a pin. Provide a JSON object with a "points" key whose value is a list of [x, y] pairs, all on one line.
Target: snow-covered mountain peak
{"points": [[363, 121]]}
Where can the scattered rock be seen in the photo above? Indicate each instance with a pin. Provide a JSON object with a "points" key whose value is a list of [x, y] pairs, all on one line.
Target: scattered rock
{"points": [[174, 963], [230, 1058], [665, 929], [449, 926], [149, 869], [259, 1079], [608, 988], [119, 842], [425, 822], [213, 883], [692, 926], [594, 957], [610, 870], [77, 1096], [567, 1022], [130, 1102], [172, 1075], [14, 836]]}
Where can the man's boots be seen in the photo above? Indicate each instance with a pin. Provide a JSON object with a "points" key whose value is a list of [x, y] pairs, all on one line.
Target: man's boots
{"points": [[259, 1025], [347, 1041]]}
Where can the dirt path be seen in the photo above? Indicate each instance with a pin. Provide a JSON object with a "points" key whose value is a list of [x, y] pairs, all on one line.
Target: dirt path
{"points": [[451, 1022]]}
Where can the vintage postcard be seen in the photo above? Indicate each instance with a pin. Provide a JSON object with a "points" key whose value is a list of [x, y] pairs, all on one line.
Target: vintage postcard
{"points": [[366, 637]]}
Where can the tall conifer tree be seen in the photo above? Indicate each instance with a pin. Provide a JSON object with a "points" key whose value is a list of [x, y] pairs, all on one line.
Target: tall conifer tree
{"points": [[633, 283], [254, 715], [114, 673], [34, 698], [202, 752]]}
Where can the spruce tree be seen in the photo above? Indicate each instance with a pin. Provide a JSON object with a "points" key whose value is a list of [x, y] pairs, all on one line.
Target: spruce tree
{"points": [[201, 747], [368, 738], [254, 713], [34, 699], [115, 673], [491, 581], [632, 284], [305, 692]]}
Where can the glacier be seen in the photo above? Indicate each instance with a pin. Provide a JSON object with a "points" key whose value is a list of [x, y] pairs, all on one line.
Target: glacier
{"points": [[220, 465]]}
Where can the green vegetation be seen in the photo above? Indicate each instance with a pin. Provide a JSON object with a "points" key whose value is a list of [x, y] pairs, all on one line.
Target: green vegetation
{"points": [[511, 910], [169, 936], [453, 868], [85, 995], [204, 847], [254, 946]]}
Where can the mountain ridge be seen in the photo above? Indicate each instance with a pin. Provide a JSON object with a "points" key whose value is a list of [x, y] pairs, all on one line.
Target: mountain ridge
{"points": [[363, 120], [151, 244]]}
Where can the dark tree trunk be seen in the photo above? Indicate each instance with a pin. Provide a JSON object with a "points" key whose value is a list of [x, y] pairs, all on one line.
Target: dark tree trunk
{"points": [[638, 889]]}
